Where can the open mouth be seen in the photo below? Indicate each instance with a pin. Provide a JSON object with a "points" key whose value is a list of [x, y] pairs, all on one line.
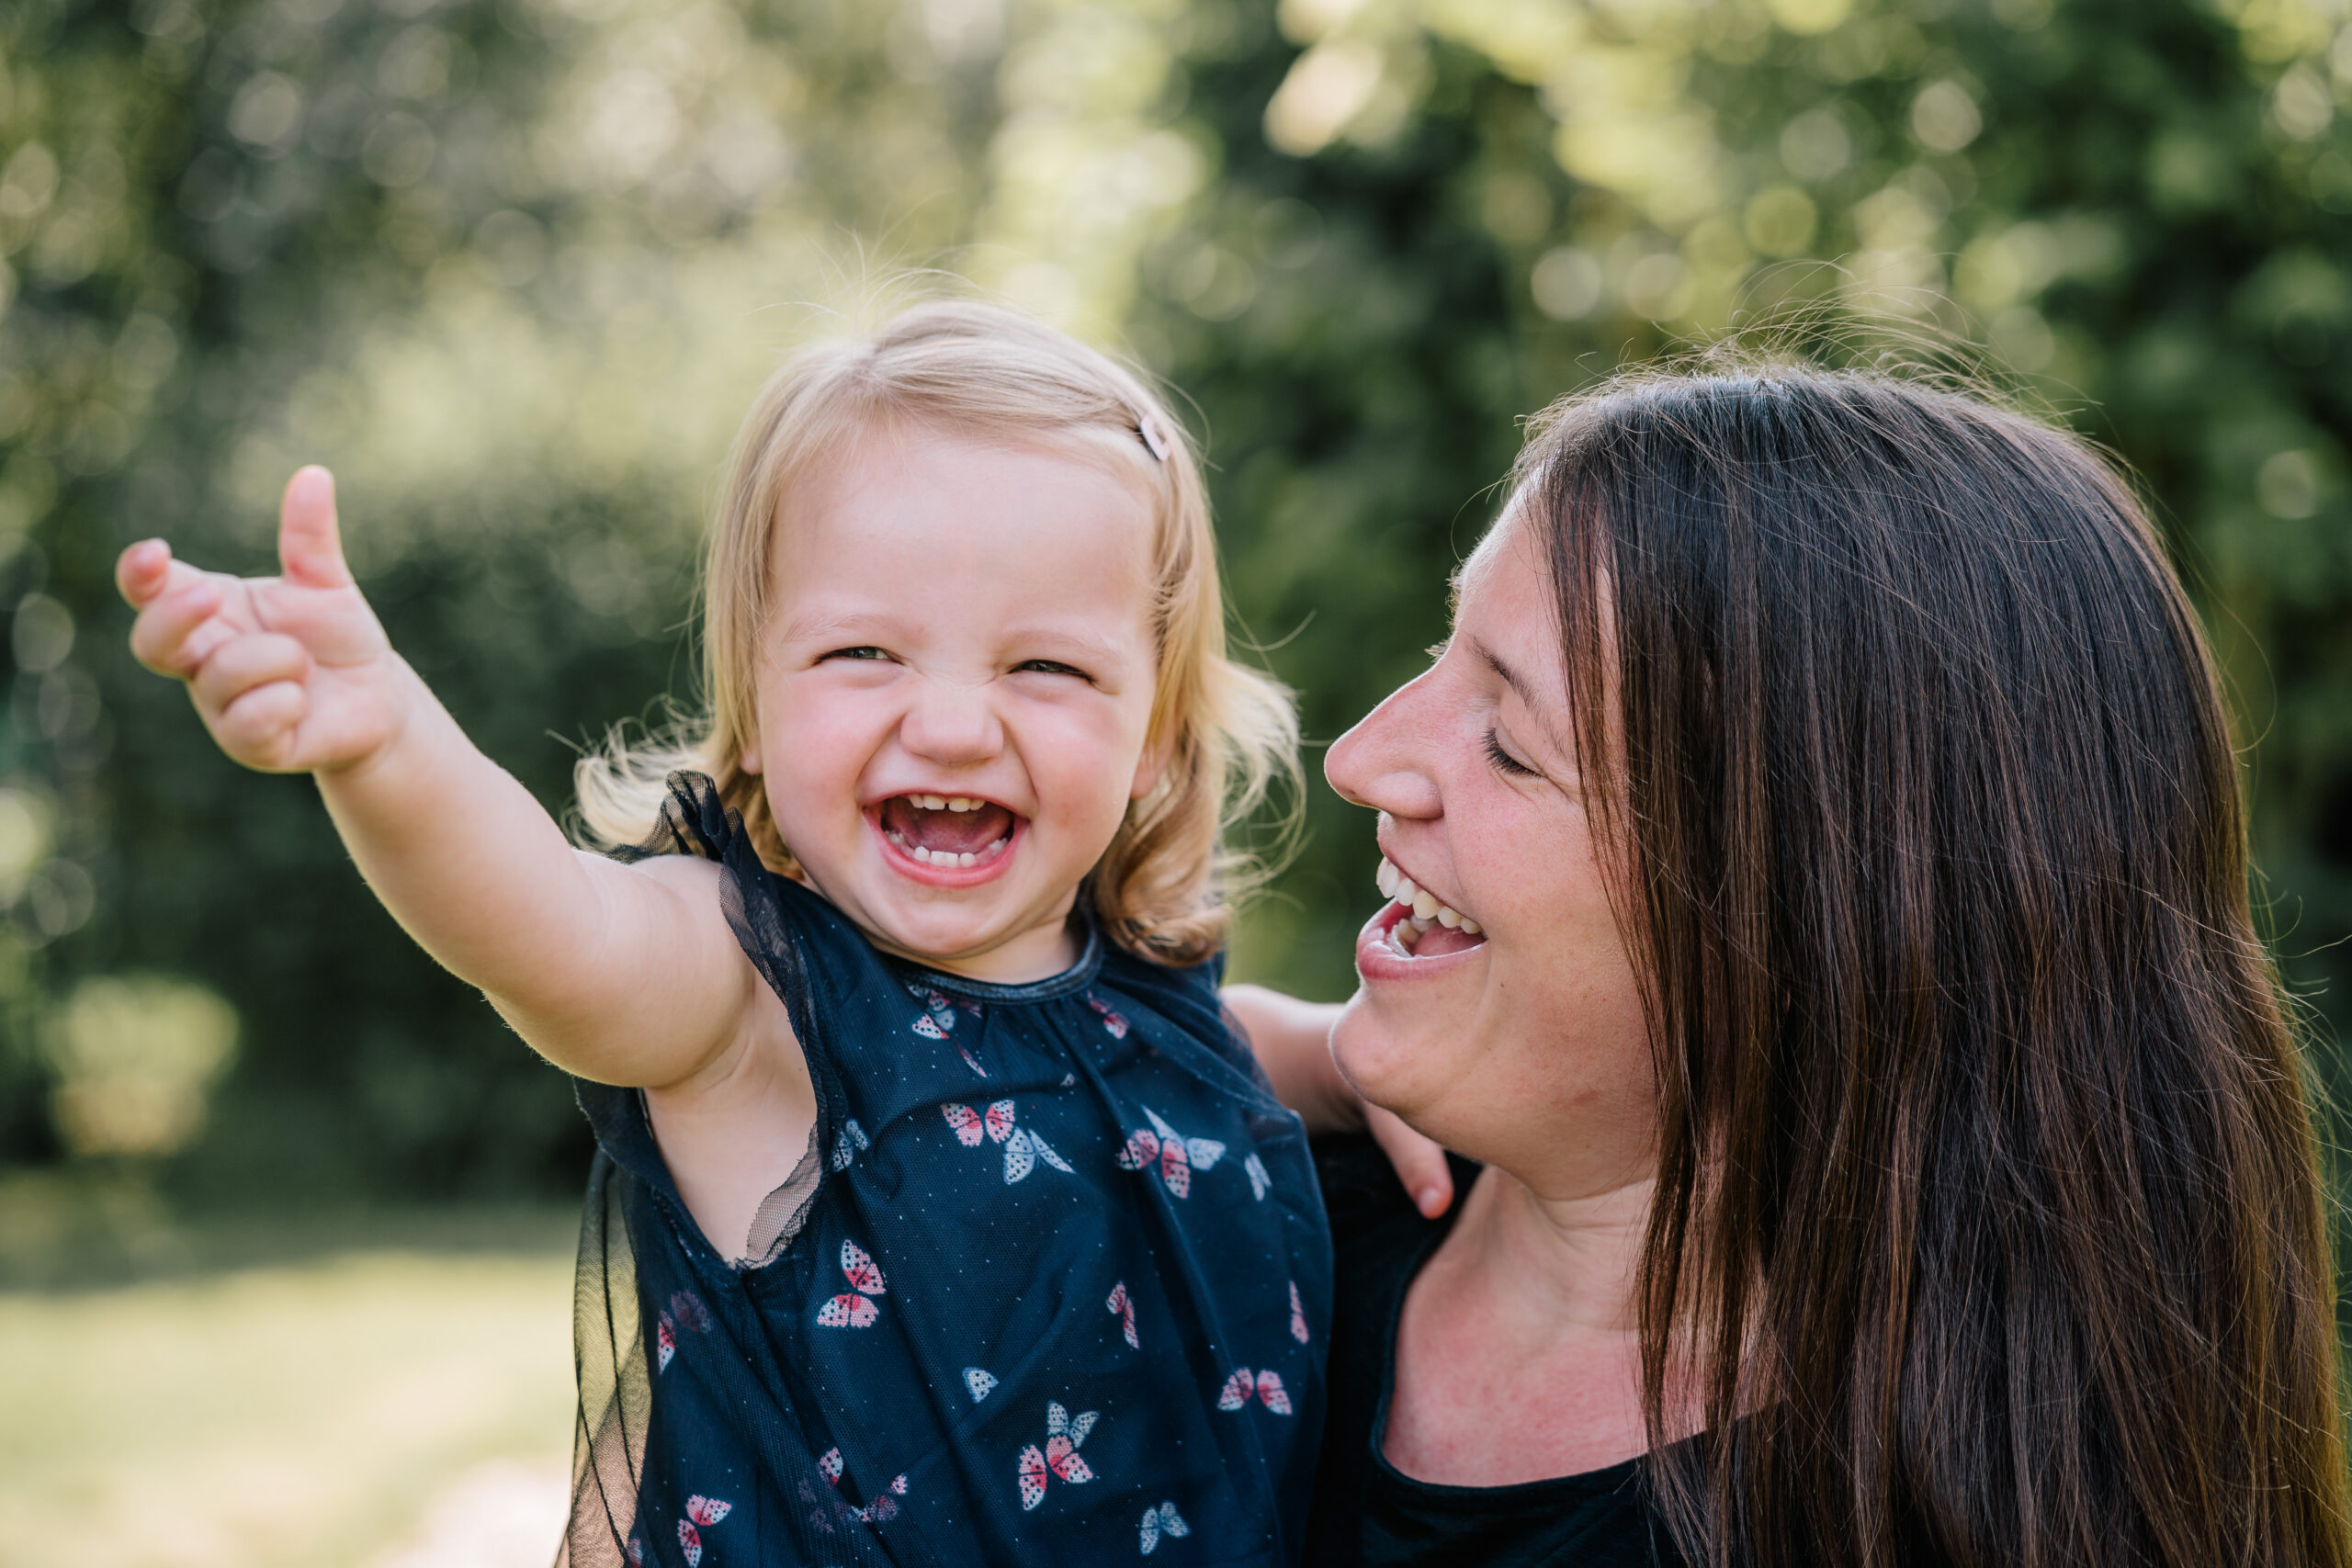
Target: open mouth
{"points": [[950, 832], [1418, 923]]}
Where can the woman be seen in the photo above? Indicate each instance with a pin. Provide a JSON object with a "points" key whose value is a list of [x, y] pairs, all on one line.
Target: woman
{"points": [[1891, 1147]]}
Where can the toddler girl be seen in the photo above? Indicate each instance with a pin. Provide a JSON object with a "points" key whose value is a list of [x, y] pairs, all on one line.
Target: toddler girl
{"points": [[937, 1216]]}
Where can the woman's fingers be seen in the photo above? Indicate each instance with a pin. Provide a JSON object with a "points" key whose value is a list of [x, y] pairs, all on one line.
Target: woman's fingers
{"points": [[1419, 1162], [310, 543], [242, 664]]}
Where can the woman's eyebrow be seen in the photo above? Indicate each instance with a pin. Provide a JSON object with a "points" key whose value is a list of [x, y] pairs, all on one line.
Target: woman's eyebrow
{"points": [[1509, 677]]}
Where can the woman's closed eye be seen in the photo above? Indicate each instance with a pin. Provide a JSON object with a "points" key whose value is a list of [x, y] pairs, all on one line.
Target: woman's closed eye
{"points": [[1504, 763], [1050, 667]]}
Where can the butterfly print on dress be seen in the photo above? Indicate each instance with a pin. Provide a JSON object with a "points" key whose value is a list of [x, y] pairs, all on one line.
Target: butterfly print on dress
{"points": [[1178, 1156], [1297, 1314], [1124, 1305], [684, 1314], [1164, 1520], [855, 1308], [1064, 1433], [1266, 1387], [1255, 1168], [1113, 1025], [1022, 1148], [882, 1507], [703, 1511], [980, 1383], [850, 1144]]}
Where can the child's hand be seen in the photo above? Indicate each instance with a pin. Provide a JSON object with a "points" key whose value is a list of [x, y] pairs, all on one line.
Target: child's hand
{"points": [[290, 673]]}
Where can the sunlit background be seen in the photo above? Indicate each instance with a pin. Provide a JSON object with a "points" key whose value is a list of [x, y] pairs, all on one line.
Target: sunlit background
{"points": [[284, 1275]]}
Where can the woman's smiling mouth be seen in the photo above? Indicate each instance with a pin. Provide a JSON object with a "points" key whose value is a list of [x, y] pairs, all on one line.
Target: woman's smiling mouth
{"points": [[1416, 924]]}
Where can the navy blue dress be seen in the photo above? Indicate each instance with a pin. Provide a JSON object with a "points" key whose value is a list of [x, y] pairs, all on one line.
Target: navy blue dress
{"points": [[1052, 1285]]}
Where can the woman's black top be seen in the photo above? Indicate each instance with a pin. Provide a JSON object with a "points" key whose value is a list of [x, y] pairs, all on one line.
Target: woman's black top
{"points": [[1367, 1514]]}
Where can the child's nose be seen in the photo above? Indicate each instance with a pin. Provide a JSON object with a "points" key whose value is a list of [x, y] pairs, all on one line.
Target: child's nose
{"points": [[953, 726]]}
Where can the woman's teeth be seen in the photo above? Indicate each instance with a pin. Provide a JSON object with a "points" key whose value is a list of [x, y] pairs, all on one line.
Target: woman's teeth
{"points": [[1423, 908]]}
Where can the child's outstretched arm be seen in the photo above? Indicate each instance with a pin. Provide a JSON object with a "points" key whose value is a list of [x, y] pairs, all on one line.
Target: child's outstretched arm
{"points": [[1292, 1039], [623, 973]]}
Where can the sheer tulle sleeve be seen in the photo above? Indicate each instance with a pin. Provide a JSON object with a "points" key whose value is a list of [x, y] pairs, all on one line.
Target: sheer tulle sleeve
{"points": [[659, 1322]]}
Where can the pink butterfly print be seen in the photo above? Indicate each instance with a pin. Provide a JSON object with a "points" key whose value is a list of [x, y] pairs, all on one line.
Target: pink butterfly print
{"points": [[1111, 1022], [1022, 1148], [1297, 1314], [884, 1507], [703, 1511], [637, 1551], [927, 1029], [1178, 1156], [1064, 1433], [972, 1062], [855, 1308], [1124, 1305], [686, 1314], [1267, 1386], [1162, 1521]]}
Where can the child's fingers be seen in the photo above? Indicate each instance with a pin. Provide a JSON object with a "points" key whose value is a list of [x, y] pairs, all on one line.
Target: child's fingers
{"points": [[258, 725], [163, 637], [142, 571], [1420, 1161], [242, 664], [310, 544]]}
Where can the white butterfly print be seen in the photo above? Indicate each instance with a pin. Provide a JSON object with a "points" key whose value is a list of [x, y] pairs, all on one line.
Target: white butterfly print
{"points": [[1266, 1387], [1297, 1314], [884, 1507], [1164, 1520], [1178, 1156], [1255, 1168], [703, 1511], [850, 1144], [979, 1382], [1124, 1305], [1064, 1433], [666, 1344], [855, 1308], [1022, 1148]]}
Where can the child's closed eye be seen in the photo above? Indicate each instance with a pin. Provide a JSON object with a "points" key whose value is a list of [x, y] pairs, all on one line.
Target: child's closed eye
{"points": [[862, 651]]}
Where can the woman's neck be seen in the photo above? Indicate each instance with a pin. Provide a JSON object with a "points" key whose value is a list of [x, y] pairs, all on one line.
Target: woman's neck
{"points": [[1518, 1352], [1568, 1261]]}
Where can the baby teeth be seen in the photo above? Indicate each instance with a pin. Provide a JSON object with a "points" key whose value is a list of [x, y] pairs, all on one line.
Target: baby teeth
{"points": [[947, 802], [1423, 908]]}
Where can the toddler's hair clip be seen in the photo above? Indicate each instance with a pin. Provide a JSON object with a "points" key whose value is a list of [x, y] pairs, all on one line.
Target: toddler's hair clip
{"points": [[1155, 439]]}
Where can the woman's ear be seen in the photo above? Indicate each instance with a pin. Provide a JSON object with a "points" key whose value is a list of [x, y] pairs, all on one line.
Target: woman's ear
{"points": [[750, 761]]}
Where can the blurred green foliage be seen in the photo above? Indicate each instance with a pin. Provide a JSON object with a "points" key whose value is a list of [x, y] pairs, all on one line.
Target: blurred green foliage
{"points": [[509, 266]]}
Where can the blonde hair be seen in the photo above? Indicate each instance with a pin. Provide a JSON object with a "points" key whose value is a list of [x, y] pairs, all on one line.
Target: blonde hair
{"points": [[1228, 732]]}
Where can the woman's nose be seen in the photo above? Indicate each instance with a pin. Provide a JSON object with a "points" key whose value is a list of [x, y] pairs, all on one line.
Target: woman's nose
{"points": [[953, 726], [1385, 761]]}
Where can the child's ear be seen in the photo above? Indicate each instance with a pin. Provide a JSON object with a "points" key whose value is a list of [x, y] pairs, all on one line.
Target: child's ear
{"points": [[1151, 765]]}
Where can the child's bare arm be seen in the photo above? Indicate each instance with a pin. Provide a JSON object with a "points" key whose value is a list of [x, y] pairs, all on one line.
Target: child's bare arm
{"points": [[627, 975], [1292, 1039]]}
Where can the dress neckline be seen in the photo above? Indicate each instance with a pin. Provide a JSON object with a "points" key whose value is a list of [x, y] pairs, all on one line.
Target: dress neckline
{"points": [[1075, 979]]}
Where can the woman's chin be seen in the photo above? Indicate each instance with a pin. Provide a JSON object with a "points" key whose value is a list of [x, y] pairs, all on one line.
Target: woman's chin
{"points": [[1393, 1068]]}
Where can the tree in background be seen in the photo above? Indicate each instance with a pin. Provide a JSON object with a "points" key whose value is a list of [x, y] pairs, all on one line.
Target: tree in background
{"points": [[503, 265]]}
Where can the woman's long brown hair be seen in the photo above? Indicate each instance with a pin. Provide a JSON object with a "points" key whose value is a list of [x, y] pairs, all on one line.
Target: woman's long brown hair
{"points": [[1989, 1224]]}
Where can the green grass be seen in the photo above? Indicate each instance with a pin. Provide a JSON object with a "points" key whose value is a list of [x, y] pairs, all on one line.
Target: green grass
{"points": [[368, 1391]]}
